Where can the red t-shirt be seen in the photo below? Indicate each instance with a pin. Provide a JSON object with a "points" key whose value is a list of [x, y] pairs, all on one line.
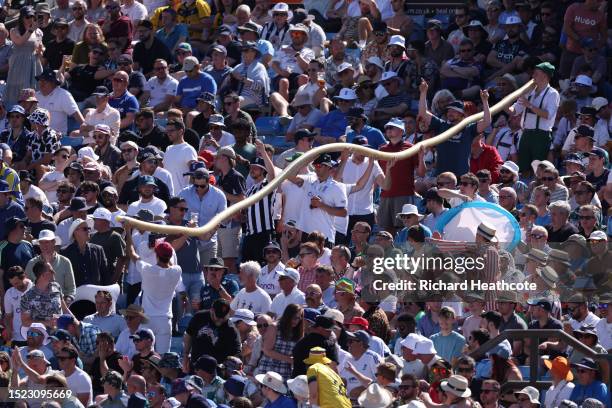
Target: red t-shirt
{"points": [[586, 23], [489, 159], [402, 174], [119, 29]]}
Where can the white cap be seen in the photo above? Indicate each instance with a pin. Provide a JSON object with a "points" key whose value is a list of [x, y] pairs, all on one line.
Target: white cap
{"points": [[281, 8], [244, 315], [290, 273], [424, 346], [376, 61], [47, 235], [388, 75], [599, 103], [398, 40], [76, 223], [583, 80], [537, 163], [513, 20], [395, 122], [409, 209], [598, 236], [102, 214], [347, 94], [344, 66], [511, 166], [87, 151], [411, 340]]}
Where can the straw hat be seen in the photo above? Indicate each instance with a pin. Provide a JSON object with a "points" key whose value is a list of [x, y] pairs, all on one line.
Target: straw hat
{"points": [[375, 396], [135, 310], [457, 385]]}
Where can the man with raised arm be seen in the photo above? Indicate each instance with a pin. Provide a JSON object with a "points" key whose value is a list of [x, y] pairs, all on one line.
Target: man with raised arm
{"points": [[454, 153]]}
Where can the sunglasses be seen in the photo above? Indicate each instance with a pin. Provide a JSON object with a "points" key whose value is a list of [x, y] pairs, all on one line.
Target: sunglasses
{"points": [[279, 14], [33, 334], [118, 79], [465, 50], [63, 358], [262, 325], [487, 391], [586, 217], [127, 150], [536, 236], [181, 209], [466, 183], [549, 178], [407, 386], [200, 186]]}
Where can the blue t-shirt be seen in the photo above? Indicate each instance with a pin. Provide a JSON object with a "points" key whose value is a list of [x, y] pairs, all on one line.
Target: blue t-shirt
{"points": [[125, 104], [282, 402], [449, 346], [543, 220], [454, 154], [596, 389], [374, 136], [170, 39], [333, 124], [191, 88]]}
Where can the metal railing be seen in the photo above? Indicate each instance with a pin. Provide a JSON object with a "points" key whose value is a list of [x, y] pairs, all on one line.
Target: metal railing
{"points": [[535, 335]]}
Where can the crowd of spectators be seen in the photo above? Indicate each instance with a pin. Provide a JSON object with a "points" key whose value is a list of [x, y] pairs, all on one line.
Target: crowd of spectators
{"points": [[114, 109]]}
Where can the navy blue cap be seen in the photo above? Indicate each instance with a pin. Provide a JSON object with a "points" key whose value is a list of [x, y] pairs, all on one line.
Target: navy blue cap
{"points": [[18, 109], [586, 131], [311, 314], [193, 166]]}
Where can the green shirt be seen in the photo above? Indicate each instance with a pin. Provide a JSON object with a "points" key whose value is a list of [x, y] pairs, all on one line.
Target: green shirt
{"points": [[63, 272]]}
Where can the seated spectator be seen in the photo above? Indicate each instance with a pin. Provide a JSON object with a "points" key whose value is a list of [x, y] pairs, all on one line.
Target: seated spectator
{"points": [[160, 89], [291, 60], [105, 318], [85, 78], [193, 84], [253, 81], [149, 49], [461, 75]]}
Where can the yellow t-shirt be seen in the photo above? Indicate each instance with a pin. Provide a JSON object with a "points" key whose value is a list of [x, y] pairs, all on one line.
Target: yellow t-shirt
{"points": [[332, 391], [193, 15]]}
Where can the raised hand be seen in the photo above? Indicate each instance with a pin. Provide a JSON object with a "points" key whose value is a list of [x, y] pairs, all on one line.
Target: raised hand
{"points": [[423, 86], [484, 95]]}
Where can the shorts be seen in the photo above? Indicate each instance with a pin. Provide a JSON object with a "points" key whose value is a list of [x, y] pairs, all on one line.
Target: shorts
{"points": [[228, 240], [388, 209]]}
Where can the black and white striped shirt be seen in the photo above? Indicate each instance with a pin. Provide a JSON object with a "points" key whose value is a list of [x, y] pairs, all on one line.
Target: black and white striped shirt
{"points": [[260, 215]]}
